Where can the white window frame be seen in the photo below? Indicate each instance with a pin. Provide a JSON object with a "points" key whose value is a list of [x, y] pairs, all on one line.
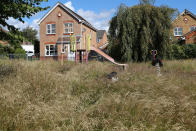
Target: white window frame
{"points": [[51, 29], [55, 48], [63, 48], [192, 28], [69, 27], [178, 32]]}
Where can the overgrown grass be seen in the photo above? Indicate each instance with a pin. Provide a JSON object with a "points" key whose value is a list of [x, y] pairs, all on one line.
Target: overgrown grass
{"points": [[43, 95]]}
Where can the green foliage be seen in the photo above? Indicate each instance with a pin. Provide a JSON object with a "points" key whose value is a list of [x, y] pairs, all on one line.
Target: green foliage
{"points": [[19, 51], [190, 50], [147, 2], [134, 31], [29, 33], [18, 9], [187, 51], [14, 39], [177, 52], [6, 49]]}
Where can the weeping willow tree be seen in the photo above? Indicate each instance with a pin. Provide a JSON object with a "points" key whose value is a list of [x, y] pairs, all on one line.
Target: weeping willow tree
{"points": [[134, 31]]}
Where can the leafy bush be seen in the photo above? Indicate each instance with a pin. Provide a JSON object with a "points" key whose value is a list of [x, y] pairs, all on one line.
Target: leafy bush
{"points": [[190, 50], [19, 51], [6, 49], [187, 51], [177, 52]]}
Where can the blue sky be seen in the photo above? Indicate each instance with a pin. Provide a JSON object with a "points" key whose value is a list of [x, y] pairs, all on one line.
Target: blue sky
{"points": [[99, 12]]}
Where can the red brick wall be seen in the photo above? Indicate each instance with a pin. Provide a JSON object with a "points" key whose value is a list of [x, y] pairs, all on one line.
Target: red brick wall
{"points": [[179, 22], [104, 40]]}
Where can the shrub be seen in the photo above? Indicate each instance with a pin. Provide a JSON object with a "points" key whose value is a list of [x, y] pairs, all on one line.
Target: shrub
{"points": [[190, 50], [6, 49], [177, 52], [19, 51], [187, 51]]}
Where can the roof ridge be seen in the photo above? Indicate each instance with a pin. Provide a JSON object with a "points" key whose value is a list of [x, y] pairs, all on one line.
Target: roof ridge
{"points": [[78, 15], [74, 14], [186, 11]]}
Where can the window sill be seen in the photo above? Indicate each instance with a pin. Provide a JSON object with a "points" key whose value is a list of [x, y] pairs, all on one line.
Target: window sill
{"points": [[51, 55], [51, 34], [178, 35], [68, 33]]}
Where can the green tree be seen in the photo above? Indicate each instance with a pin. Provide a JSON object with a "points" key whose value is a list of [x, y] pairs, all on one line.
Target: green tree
{"points": [[134, 31], [147, 2], [18, 9], [31, 35]]}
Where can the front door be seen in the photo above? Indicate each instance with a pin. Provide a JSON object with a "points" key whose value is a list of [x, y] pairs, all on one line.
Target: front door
{"points": [[70, 54]]}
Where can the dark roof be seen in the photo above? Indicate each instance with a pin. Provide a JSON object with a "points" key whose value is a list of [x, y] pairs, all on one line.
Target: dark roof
{"points": [[100, 34], [189, 13], [75, 15]]}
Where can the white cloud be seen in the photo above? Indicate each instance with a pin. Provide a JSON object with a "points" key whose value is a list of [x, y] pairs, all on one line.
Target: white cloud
{"points": [[21, 25], [17, 23], [35, 25], [69, 5], [98, 20]]}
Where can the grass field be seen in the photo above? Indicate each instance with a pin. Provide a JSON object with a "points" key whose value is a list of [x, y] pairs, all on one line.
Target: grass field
{"points": [[43, 95]]}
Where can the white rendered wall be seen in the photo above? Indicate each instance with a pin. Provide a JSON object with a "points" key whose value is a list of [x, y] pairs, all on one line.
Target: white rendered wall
{"points": [[28, 47]]}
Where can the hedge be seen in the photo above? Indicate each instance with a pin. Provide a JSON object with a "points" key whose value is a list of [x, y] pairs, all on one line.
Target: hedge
{"points": [[187, 51]]}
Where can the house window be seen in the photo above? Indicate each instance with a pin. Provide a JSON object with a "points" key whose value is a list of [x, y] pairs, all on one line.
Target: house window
{"points": [[68, 28], [98, 40], [51, 29], [51, 50], [178, 31], [193, 28]]}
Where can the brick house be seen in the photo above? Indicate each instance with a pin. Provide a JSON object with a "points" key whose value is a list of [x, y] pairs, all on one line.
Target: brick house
{"points": [[56, 26], [184, 27], [102, 40]]}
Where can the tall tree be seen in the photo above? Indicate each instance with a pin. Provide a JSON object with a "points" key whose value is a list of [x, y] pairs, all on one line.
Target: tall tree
{"points": [[18, 9], [134, 31], [147, 2], [29, 33]]}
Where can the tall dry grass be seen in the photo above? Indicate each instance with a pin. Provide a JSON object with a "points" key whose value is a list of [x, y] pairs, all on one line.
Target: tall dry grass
{"points": [[43, 95]]}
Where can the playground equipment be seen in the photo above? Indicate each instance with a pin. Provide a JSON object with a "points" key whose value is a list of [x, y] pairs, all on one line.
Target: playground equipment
{"points": [[108, 57], [83, 52], [156, 62]]}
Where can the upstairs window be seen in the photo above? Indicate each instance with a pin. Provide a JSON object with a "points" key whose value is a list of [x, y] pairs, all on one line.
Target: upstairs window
{"points": [[68, 28], [192, 28], [51, 29], [178, 31]]}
